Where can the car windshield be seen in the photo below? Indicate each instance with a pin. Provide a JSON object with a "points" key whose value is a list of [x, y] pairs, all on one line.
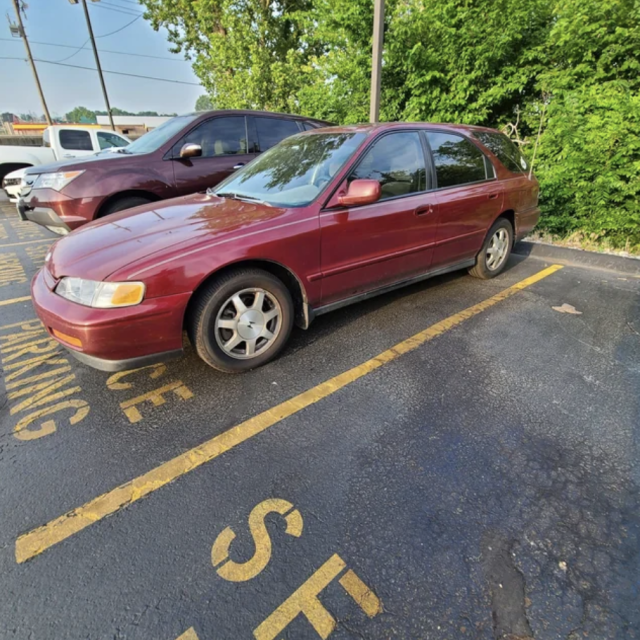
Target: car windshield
{"points": [[294, 172], [155, 138]]}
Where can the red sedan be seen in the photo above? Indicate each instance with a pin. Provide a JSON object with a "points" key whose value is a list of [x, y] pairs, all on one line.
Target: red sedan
{"points": [[323, 219]]}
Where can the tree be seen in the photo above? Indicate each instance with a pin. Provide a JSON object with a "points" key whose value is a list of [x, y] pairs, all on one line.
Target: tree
{"points": [[81, 115], [203, 103], [247, 54]]}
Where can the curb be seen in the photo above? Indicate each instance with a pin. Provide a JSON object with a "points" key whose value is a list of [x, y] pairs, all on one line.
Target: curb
{"points": [[578, 257]]}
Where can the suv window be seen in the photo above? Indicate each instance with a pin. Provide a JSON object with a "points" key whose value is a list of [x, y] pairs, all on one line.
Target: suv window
{"points": [[218, 137], [108, 140], [457, 161], [504, 149], [273, 130], [75, 140], [396, 161]]}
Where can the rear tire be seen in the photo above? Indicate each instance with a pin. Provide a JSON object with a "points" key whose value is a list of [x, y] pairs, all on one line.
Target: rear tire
{"points": [[128, 202], [241, 320], [495, 252]]}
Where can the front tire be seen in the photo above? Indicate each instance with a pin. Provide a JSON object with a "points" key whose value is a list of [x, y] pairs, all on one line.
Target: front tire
{"points": [[492, 258], [241, 320]]}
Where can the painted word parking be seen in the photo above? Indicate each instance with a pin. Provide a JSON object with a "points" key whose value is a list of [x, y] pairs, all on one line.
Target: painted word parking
{"points": [[38, 400]]}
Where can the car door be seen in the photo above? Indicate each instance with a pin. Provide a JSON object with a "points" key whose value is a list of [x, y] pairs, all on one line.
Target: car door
{"points": [[469, 196], [366, 247], [75, 143], [224, 148]]}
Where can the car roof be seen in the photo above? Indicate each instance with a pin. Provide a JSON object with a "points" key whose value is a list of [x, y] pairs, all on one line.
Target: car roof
{"points": [[249, 112], [383, 126]]}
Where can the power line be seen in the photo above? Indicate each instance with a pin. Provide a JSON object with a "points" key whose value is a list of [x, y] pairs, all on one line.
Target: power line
{"points": [[120, 29], [124, 12], [77, 51], [117, 73], [120, 53], [119, 6]]}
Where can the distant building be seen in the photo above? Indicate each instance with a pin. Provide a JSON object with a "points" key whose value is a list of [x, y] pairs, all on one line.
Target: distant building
{"points": [[132, 125]]}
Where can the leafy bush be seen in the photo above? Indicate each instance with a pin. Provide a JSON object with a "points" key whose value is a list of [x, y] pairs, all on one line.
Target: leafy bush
{"points": [[589, 163]]}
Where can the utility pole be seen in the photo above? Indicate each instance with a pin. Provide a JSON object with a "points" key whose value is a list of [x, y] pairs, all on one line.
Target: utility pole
{"points": [[376, 62], [23, 35], [95, 53]]}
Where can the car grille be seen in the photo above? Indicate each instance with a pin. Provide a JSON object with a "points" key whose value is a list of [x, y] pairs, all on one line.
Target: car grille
{"points": [[10, 182]]}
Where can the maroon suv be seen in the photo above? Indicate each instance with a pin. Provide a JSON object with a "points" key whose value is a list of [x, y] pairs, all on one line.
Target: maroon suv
{"points": [[184, 155]]}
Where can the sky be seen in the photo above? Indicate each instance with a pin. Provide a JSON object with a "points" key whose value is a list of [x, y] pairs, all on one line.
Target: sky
{"points": [[60, 22]]}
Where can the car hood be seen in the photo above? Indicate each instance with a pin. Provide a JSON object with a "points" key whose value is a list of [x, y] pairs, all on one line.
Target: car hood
{"points": [[99, 248], [84, 162]]}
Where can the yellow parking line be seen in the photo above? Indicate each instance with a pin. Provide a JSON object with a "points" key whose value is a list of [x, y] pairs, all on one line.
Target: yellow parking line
{"points": [[23, 299], [18, 244], [38, 540]]}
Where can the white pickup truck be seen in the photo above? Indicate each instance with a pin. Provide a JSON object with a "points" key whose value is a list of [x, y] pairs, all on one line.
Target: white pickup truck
{"points": [[60, 143]]}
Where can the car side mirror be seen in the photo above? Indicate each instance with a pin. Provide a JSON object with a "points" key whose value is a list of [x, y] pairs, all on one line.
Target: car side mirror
{"points": [[361, 192], [190, 150]]}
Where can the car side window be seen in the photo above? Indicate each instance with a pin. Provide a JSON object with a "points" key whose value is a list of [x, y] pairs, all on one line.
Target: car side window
{"points": [[75, 140], [457, 161], [218, 137], [504, 149], [308, 126], [273, 130], [396, 161], [107, 140]]}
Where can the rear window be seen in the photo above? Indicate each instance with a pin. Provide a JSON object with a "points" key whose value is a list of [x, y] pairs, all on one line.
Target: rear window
{"points": [[456, 159], [273, 130], [504, 149], [75, 140]]}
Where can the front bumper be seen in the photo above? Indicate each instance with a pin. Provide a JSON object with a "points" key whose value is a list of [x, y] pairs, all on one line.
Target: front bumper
{"points": [[123, 365], [55, 210], [43, 216], [112, 339], [12, 189]]}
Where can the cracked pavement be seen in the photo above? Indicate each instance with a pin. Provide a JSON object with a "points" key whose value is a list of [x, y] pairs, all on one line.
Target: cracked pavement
{"points": [[485, 485]]}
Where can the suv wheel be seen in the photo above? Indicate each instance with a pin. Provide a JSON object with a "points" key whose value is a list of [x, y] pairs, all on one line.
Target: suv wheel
{"points": [[241, 320], [128, 202]]}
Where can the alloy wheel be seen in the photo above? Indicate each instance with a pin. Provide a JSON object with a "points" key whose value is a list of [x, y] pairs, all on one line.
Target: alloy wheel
{"points": [[498, 249], [248, 323]]}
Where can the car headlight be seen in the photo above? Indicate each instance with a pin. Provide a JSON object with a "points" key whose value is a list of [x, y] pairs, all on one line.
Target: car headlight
{"points": [[101, 295], [55, 181]]}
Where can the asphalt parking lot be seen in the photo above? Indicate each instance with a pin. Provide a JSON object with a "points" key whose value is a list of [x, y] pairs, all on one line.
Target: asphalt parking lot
{"points": [[457, 459]]}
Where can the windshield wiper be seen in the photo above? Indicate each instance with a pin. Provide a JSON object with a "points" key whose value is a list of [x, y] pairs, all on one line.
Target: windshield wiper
{"points": [[225, 194], [236, 196]]}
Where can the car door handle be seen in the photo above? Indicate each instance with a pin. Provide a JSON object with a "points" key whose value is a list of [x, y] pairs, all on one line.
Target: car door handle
{"points": [[493, 196], [423, 211], [68, 155], [239, 165]]}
